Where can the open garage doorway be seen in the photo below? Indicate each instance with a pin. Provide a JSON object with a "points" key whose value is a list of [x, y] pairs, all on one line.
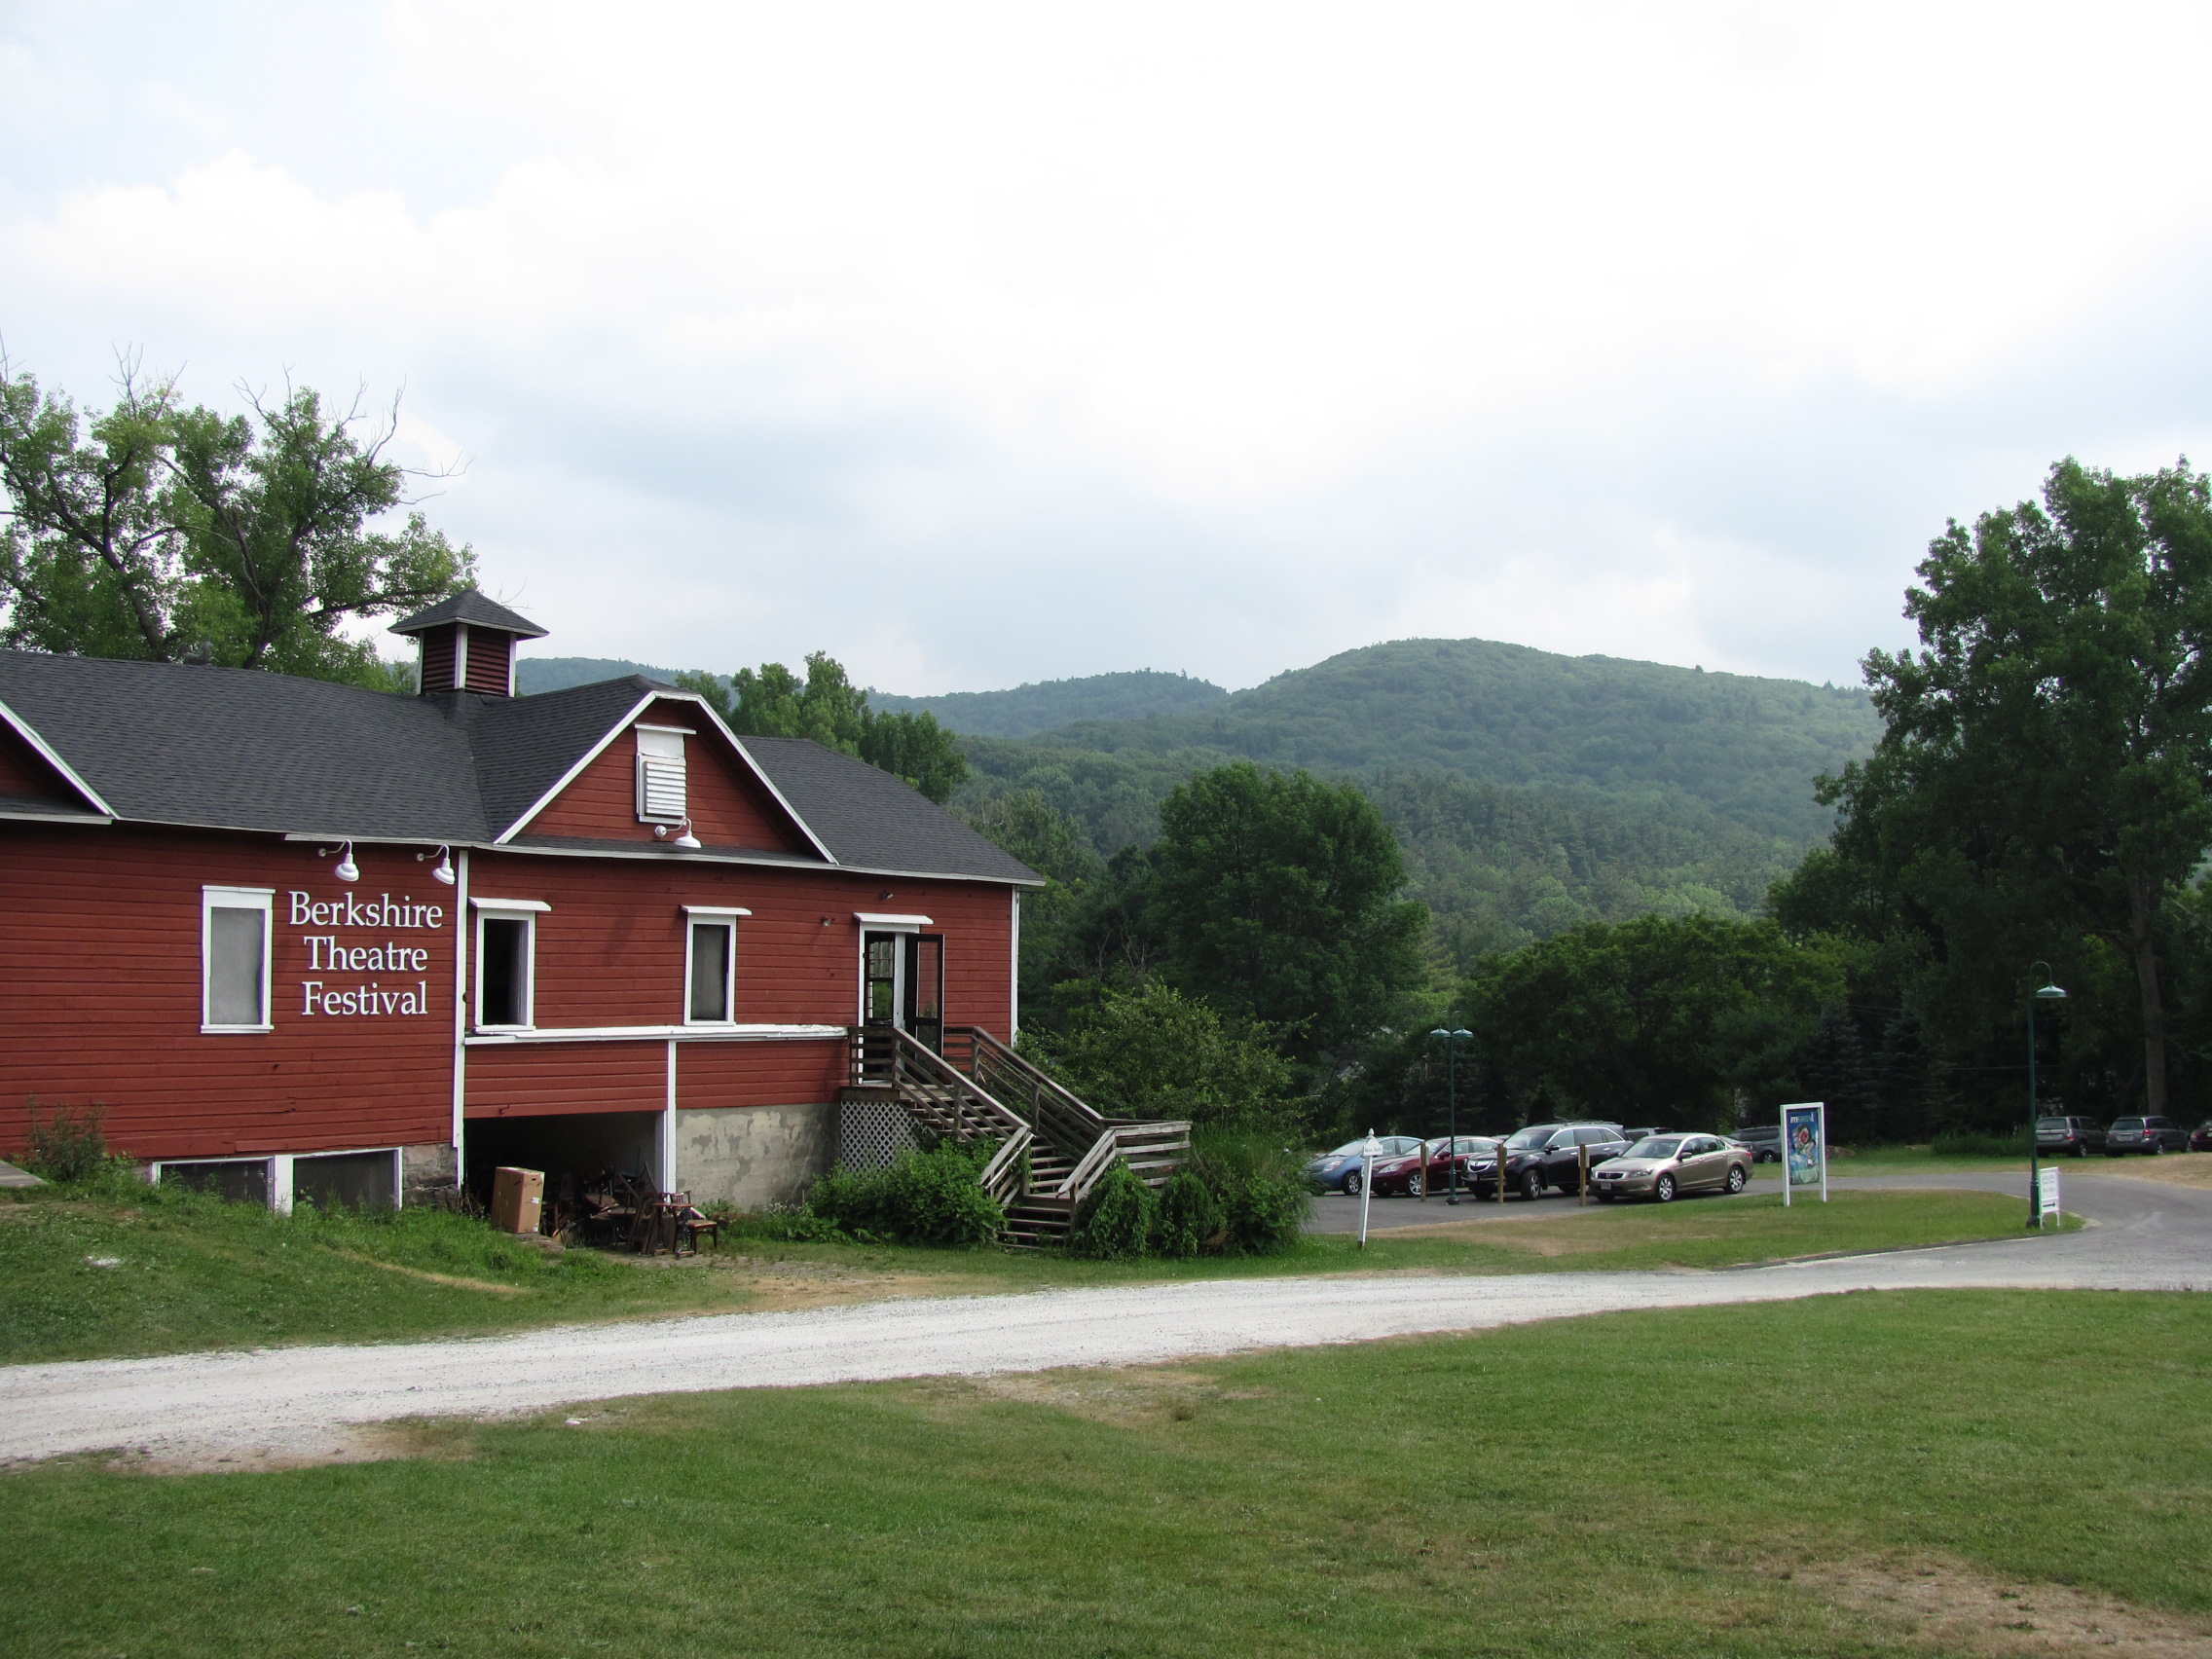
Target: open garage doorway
{"points": [[577, 1153]]}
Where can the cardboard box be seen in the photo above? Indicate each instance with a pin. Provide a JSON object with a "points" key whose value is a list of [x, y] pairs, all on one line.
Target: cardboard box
{"points": [[518, 1198]]}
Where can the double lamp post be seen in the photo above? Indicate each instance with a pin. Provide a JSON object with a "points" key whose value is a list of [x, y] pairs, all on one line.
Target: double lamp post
{"points": [[1452, 1041]]}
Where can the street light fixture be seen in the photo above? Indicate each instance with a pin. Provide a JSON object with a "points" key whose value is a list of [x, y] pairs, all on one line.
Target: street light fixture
{"points": [[2045, 992], [1452, 1041]]}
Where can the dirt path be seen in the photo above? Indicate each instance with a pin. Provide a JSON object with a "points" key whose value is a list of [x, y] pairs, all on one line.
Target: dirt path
{"points": [[312, 1402]]}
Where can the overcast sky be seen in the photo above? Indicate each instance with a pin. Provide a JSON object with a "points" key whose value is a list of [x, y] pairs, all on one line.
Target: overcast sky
{"points": [[982, 344]]}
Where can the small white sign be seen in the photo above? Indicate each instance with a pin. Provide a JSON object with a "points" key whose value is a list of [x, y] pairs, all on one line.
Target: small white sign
{"points": [[2047, 1197]]}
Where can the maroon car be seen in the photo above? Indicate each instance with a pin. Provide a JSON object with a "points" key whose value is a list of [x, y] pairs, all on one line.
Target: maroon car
{"points": [[1429, 1170]]}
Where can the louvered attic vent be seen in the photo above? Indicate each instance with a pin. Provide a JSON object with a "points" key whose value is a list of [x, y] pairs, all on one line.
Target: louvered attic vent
{"points": [[661, 795]]}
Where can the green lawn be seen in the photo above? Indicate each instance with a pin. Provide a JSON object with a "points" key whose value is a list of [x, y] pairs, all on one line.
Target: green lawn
{"points": [[1693, 1482], [189, 1272]]}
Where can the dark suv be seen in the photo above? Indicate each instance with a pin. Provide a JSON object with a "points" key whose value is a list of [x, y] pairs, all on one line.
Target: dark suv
{"points": [[1546, 1155], [2145, 1134], [2079, 1136]]}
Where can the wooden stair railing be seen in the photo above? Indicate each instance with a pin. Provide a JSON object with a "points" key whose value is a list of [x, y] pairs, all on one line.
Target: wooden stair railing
{"points": [[975, 1090]]}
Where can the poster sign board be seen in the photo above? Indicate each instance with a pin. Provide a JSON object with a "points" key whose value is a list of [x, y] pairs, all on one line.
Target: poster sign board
{"points": [[2047, 1197], [1805, 1150]]}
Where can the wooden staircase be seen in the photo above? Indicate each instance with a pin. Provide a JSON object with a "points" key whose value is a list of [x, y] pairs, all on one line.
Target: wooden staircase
{"points": [[1052, 1147]]}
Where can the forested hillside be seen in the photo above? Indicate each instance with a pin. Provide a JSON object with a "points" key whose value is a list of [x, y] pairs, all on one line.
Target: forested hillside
{"points": [[1035, 708], [1746, 749], [1530, 792]]}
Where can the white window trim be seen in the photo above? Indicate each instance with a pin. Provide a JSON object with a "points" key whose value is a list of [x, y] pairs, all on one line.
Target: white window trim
{"points": [[211, 899], [525, 911], [712, 914], [876, 921]]}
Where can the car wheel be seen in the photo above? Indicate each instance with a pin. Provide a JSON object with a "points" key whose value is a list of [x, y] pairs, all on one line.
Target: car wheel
{"points": [[1663, 1188], [1414, 1185], [1735, 1178], [1533, 1186], [1352, 1184], [2157, 1148], [2080, 1152]]}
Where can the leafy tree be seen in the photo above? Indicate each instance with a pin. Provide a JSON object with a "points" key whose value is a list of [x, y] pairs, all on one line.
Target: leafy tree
{"points": [[153, 531], [2046, 768], [772, 701], [1647, 1020], [1050, 843], [1153, 1052], [1278, 896]]}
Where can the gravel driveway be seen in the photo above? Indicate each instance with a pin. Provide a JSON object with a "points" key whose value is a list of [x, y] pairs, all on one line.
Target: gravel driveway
{"points": [[302, 1402]]}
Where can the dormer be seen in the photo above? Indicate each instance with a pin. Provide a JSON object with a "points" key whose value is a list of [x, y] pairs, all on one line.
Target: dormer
{"points": [[467, 644]]}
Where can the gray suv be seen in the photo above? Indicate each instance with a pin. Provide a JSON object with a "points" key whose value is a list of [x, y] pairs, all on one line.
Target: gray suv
{"points": [[2079, 1136], [2145, 1134]]}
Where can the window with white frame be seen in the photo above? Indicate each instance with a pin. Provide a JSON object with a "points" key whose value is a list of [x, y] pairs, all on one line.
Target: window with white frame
{"points": [[235, 924], [709, 964], [662, 797], [506, 962]]}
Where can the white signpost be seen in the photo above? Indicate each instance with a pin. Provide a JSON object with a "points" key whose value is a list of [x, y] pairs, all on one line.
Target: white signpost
{"points": [[2047, 1197], [1805, 1149], [1370, 1151]]}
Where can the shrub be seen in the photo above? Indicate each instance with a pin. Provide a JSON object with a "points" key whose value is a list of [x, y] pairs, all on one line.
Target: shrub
{"points": [[67, 1146], [1115, 1222], [1190, 1217], [1262, 1189], [927, 1197]]}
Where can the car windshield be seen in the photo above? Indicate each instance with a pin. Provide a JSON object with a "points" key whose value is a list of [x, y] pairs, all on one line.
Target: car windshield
{"points": [[1351, 1149], [1655, 1146], [2053, 1123], [1530, 1137], [2127, 1122]]}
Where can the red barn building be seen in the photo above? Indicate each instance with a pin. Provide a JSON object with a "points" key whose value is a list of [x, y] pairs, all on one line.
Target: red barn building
{"points": [[300, 937]]}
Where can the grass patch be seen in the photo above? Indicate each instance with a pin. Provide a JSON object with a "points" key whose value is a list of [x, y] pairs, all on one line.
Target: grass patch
{"points": [[190, 1272], [1708, 1481]]}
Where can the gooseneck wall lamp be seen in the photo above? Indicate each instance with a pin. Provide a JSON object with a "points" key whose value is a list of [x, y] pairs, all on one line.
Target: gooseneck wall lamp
{"points": [[444, 868], [682, 836], [2045, 992], [347, 869]]}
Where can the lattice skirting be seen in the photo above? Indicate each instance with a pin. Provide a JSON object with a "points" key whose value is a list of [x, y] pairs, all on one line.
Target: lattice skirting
{"points": [[873, 1134]]}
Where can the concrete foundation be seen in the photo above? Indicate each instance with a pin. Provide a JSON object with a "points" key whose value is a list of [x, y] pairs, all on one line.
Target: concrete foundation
{"points": [[424, 1167], [753, 1156]]}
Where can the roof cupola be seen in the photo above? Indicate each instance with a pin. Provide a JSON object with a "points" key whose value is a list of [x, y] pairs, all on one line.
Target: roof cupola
{"points": [[467, 644]]}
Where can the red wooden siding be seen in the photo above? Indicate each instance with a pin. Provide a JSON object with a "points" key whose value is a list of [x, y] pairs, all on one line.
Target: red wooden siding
{"points": [[758, 1074], [25, 771], [437, 659], [100, 1000], [728, 807], [610, 951], [547, 1078], [489, 654], [100, 988]]}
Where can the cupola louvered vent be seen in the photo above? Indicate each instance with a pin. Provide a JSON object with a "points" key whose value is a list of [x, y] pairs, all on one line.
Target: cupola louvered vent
{"points": [[661, 794]]}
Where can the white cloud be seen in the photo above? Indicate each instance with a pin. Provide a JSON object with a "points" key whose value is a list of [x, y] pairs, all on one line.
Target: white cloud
{"points": [[985, 342]]}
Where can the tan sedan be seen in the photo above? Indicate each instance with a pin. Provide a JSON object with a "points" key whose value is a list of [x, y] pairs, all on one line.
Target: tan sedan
{"points": [[1663, 1167]]}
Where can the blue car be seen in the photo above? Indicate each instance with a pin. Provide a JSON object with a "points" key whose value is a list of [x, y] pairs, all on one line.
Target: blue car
{"points": [[1342, 1171]]}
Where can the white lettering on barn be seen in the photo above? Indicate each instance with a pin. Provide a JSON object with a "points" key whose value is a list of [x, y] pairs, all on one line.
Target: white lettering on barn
{"points": [[327, 953]]}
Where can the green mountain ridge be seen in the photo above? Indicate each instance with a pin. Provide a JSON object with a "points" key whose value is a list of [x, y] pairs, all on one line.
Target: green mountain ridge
{"points": [[1044, 705]]}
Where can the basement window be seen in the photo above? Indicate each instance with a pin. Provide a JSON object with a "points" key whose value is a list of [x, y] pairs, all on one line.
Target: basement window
{"points": [[709, 964], [662, 797], [235, 924]]}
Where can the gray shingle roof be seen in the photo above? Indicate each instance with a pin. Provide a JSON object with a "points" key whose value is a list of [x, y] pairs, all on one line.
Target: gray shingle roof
{"points": [[869, 818], [238, 748], [471, 607]]}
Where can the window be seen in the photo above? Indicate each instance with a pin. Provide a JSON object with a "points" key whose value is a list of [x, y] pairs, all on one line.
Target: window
{"points": [[234, 957], [709, 964], [661, 795], [240, 1180], [507, 958], [352, 1180]]}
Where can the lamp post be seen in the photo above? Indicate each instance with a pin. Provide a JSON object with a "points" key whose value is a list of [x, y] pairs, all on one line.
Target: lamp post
{"points": [[2045, 992], [1452, 1041]]}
